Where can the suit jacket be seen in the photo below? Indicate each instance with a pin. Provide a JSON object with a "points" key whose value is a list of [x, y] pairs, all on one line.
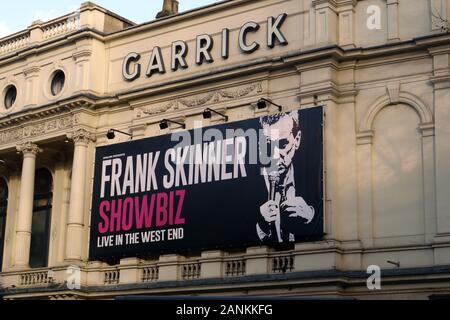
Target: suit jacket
{"points": [[290, 225]]}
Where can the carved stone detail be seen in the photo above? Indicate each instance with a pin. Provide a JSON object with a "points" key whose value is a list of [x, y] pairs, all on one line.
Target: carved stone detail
{"points": [[29, 148], [198, 101], [164, 108], [32, 131], [81, 136], [393, 90], [241, 92], [203, 100]]}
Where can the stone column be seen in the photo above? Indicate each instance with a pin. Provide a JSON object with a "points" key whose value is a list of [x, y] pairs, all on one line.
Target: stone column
{"points": [[75, 221], [347, 24], [429, 180], [31, 77], [438, 12], [82, 67], [365, 217], [441, 82], [326, 22], [25, 213], [393, 20]]}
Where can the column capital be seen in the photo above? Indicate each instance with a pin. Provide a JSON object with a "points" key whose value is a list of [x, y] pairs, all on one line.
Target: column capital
{"points": [[29, 148], [81, 136]]}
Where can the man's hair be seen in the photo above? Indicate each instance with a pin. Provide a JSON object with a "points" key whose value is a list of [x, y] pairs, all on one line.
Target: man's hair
{"points": [[272, 119]]}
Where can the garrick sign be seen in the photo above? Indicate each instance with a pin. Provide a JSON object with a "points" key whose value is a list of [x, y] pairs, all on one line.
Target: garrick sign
{"points": [[132, 67]]}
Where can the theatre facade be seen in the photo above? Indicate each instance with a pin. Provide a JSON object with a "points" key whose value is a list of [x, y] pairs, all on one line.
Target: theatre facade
{"points": [[111, 185]]}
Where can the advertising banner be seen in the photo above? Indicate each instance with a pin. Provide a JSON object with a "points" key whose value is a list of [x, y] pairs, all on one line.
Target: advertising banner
{"points": [[239, 184]]}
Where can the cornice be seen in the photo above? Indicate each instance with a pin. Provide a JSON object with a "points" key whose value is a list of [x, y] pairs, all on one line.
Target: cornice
{"points": [[316, 3], [329, 90], [335, 56], [69, 105]]}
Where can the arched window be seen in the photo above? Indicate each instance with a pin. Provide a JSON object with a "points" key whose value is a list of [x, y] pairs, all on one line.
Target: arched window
{"points": [[397, 165], [40, 229], [3, 208]]}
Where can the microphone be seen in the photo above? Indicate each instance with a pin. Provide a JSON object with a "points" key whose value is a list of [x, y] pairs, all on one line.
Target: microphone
{"points": [[274, 180]]}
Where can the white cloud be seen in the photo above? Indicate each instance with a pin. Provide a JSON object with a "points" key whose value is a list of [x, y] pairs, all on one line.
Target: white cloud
{"points": [[4, 29], [72, 8], [45, 15]]}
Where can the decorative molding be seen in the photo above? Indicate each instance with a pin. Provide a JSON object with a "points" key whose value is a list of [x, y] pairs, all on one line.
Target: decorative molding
{"points": [[323, 3], [31, 71], [38, 113], [241, 92], [198, 101], [29, 148], [82, 55], [440, 82], [31, 131], [161, 109], [427, 129], [328, 90], [393, 90], [424, 112], [82, 136], [365, 137]]}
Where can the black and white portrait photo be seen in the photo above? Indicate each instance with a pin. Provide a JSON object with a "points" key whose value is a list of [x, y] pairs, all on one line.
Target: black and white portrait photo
{"points": [[284, 206]]}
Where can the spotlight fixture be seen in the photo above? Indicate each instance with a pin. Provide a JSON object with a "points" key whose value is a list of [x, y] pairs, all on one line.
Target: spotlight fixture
{"points": [[316, 99], [262, 104], [164, 124], [111, 134], [2, 162], [207, 114]]}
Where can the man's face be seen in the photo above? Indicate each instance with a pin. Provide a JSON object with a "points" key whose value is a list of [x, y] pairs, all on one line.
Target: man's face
{"points": [[280, 134]]}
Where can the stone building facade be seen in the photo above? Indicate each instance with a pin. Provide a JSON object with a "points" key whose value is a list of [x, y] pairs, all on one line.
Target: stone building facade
{"points": [[380, 68]]}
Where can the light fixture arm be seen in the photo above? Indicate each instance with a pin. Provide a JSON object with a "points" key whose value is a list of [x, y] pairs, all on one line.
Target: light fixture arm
{"points": [[125, 133], [219, 113], [395, 263], [280, 108], [176, 122]]}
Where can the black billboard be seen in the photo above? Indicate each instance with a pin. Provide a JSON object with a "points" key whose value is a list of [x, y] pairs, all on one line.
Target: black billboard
{"points": [[247, 183]]}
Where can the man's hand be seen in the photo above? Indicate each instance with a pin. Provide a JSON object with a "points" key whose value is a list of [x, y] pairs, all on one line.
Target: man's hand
{"points": [[270, 211], [297, 207]]}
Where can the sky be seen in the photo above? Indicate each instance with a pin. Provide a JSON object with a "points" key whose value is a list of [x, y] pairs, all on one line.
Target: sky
{"points": [[17, 15]]}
